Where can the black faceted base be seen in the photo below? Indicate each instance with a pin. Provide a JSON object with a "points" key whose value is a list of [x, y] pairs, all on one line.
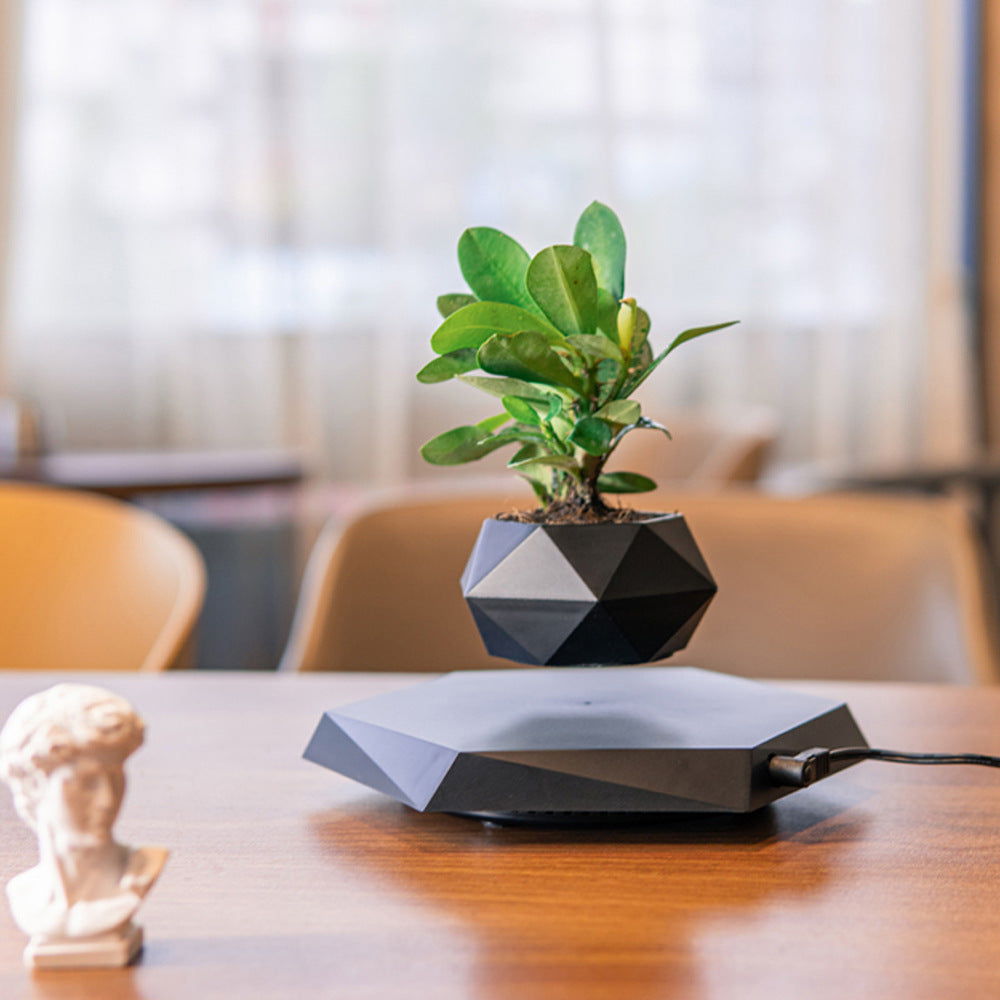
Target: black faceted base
{"points": [[515, 743], [571, 594]]}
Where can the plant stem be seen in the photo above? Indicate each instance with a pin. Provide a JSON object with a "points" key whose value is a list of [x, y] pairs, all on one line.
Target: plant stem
{"points": [[588, 492]]}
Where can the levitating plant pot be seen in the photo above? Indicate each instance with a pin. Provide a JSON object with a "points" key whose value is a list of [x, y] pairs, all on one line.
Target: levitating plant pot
{"points": [[557, 746], [555, 341], [571, 594]]}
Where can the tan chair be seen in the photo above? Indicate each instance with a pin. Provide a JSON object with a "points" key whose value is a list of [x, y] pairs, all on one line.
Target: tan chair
{"points": [[706, 453], [845, 587], [88, 583]]}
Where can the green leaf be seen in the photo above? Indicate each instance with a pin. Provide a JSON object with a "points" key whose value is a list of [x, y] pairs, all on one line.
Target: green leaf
{"points": [[527, 356], [562, 426], [607, 374], [624, 482], [595, 345], [490, 424], [454, 447], [466, 444], [474, 324], [494, 266], [698, 331], [516, 435], [524, 454], [642, 359], [591, 434], [549, 461], [561, 280], [448, 366], [521, 410], [607, 371], [641, 335], [681, 338], [501, 387], [607, 314], [447, 304], [620, 411], [600, 233]]}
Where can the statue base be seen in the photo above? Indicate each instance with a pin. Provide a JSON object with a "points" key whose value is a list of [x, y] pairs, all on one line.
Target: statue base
{"points": [[102, 951]]}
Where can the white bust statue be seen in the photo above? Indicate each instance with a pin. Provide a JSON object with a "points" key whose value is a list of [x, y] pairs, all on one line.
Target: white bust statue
{"points": [[63, 752]]}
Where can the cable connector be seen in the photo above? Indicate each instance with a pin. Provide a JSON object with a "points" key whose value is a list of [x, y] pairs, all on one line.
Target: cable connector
{"points": [[811, 765], [801, 770]]}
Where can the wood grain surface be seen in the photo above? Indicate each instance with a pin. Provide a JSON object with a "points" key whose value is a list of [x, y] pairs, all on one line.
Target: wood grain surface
{"points": [[288, 881]]}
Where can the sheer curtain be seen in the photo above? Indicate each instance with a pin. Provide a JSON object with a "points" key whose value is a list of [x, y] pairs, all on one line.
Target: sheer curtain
{"points": [[231, 218], [10, 34]]}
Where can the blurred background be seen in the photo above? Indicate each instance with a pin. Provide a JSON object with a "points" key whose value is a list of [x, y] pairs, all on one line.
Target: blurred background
{"points": [[224, 224]]}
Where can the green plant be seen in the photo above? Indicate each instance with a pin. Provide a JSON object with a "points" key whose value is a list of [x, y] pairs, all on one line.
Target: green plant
{"points": [[563, 350]]}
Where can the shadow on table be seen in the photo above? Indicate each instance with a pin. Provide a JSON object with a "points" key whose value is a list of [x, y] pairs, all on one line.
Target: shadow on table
{"points": [[816, 814]]}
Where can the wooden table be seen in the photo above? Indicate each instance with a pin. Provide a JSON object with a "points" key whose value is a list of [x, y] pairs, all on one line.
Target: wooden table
{"points": [[126, 474], [287, 881]]}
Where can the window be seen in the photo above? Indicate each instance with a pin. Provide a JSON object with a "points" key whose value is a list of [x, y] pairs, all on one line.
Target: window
{"points": [[232, 219]]}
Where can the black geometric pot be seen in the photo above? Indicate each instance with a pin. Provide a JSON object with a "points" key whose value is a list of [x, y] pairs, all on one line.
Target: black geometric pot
{"points": [[577, 594]]}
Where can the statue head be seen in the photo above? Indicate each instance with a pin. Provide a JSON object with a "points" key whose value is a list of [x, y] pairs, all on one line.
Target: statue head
{"points": [[62, 752]]}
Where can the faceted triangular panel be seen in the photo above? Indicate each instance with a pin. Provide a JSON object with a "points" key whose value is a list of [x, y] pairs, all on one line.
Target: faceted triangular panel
{"points": [[648, 566], [492, 547], [595, 553], [597, 640], [497, 640], [646, 620], [536, 570], [682, 636], [540, 630], [538, 602], [687, 774], [330, 742], [414, 766], [674, 531], [527, 788], [678, 535]]}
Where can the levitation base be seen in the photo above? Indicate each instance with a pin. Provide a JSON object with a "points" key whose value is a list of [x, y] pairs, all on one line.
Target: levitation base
{"points": [[531, 745]]}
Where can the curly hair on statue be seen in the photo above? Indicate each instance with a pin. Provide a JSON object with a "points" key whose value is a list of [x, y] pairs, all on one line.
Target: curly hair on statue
{"points": [[63, 723]]}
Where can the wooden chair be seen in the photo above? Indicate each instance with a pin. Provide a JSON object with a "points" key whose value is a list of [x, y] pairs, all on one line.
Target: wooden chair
{"points": [[834, 586], [88, 583]]}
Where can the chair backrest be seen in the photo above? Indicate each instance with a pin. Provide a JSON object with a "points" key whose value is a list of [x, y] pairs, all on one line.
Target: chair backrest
{"points": [[846, 587], [88, 583], [706, 453]]}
